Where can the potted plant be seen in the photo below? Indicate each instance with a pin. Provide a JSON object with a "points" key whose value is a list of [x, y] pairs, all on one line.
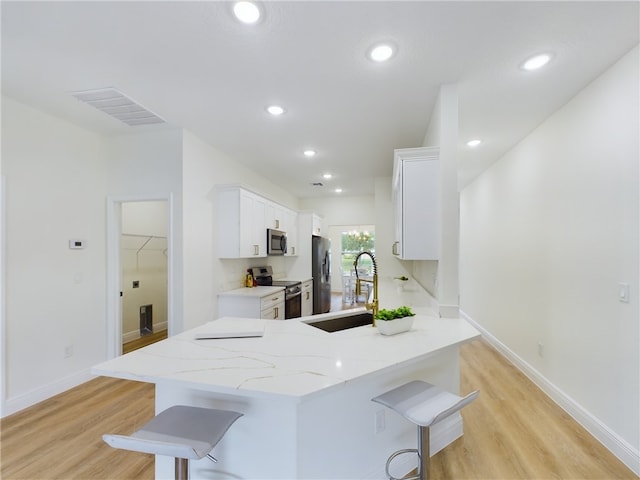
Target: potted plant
{"points": [[390, 322]]}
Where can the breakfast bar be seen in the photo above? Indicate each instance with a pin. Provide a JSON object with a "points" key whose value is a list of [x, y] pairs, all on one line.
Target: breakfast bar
{"points": [[305, 393]]}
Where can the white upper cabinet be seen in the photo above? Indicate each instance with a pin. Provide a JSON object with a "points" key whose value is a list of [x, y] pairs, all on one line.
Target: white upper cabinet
{"points": [[286, 220], [416, 203], [290, 226], [243, 220], [241, 224], [317, 225]]}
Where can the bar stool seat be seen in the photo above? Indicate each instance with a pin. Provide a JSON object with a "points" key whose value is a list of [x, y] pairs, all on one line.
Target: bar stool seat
{"points": [[181, 432], [423, 404]]}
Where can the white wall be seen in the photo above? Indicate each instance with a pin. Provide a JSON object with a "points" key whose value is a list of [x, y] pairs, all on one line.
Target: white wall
{"points": [[336, 212], [205, 274], [55, 191], [440, 278], [364, 210], [547, 234], [146, 165]]}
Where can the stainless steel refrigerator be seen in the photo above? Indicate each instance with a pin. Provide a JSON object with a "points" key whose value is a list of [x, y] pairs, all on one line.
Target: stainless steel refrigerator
{"points": [[321, 271]]}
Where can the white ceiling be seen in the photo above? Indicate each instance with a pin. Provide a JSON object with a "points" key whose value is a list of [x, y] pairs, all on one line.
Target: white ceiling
{"points": [[194, 65]]}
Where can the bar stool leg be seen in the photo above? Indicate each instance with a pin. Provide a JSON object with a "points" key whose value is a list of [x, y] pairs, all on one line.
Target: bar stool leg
{"points": [[424, 453], [182, 469]]}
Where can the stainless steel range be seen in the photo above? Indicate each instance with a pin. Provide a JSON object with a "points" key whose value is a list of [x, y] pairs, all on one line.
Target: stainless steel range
{"points": [[292, 290]]}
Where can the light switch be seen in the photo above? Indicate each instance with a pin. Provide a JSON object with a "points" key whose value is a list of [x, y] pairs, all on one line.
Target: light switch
{"points": [[623, 294], [76, 244]]}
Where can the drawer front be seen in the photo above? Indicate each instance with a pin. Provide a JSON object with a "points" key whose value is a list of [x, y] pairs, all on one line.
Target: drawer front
{"points": [[269, 301]]}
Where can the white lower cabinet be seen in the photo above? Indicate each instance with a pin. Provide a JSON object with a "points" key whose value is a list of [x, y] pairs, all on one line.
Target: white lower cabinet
{"points": [[258, 302], [272, 306], [307, 298]]}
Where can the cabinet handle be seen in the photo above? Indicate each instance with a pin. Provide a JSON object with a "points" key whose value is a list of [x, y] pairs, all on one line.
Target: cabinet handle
{"points": [[275, 313], [307, 295], [277, 223], [256, 249], [394, 248]]}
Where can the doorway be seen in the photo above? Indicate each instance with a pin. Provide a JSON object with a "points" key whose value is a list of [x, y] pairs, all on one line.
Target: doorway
{"points": [[352, 240], [143, 272], [139, 272]]}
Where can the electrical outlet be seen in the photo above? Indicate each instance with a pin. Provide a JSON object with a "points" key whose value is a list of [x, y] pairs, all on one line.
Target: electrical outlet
{"points": [[540, 349], [380, 423], [68, 351]]}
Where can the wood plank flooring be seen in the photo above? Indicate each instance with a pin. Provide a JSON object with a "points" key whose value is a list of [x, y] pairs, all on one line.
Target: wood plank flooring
{"points": [[144, 341], [512, 431]]}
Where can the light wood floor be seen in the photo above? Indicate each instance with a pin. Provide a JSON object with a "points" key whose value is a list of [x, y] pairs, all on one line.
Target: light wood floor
{"points": [[512, 431], [144, 341]]}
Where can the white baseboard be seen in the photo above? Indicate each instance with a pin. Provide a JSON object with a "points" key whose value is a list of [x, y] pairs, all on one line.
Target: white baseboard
{"points": [[135, 334], [20, 402], [610, 439]]}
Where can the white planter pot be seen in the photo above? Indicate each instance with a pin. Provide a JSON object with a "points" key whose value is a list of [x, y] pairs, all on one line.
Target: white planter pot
{"points": [[391, 327]]}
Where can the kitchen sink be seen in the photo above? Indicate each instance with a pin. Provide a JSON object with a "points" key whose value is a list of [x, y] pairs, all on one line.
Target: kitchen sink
{"points": [[335, 324]]}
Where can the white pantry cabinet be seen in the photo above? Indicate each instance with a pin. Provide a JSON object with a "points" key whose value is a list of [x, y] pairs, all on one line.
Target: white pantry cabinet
{"points": [[416, 203], [241, 224], [307, 298]]}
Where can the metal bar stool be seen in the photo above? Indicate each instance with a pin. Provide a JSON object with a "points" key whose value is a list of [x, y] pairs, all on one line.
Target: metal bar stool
{"points": [[423, 404], [180, 432]]}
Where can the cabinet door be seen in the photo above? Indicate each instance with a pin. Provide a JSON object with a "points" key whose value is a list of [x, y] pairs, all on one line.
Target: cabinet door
{"points": [[396, 248], [253, 233], [273, 312], [258, 227], [245, 216], [290, 225], [307, 299], [416, 195], [241, 229], [317, 226]]}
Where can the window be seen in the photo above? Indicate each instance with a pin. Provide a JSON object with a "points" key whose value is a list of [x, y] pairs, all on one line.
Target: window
{"points": [[353, 241]]}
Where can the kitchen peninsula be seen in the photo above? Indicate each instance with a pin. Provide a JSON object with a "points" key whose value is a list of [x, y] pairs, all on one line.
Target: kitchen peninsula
{"points": [[305, 393]]}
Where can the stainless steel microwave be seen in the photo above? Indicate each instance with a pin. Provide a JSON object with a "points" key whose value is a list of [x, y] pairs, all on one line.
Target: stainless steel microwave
{"points": [[276, 242]]}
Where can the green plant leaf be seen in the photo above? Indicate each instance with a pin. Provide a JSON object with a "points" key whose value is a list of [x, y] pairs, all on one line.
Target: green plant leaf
{"points": [[399, 312]]}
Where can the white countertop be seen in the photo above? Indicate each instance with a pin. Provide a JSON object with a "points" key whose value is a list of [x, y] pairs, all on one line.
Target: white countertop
{"points": [[292, 359], [251, 292]]}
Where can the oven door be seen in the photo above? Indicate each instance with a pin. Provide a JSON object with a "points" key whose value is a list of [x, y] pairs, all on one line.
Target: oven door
{"points": [[293, 304]]}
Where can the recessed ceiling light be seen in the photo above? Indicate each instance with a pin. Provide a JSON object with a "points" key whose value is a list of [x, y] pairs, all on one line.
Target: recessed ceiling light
{"points": [[474, 143], [246, 12], [327, 176], [338, 190], [381, 52], [536, 62], [275, 110], [309, 153]]}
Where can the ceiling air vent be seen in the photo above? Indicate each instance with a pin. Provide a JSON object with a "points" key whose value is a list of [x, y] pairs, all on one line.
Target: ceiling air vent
{"points": [[119, 106]]}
